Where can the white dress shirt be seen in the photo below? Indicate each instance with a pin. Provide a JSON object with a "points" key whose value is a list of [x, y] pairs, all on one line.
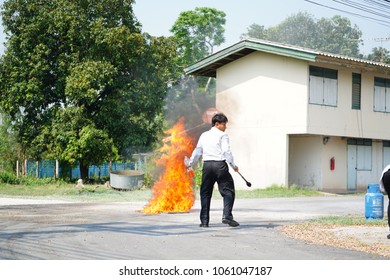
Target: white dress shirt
{"points": [[213, 145]]}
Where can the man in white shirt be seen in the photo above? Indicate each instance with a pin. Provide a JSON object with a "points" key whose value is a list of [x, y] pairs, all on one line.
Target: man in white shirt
{"points": [[214, 147], [384, 184]]}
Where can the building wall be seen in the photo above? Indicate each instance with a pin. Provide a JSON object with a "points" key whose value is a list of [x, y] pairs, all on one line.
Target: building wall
{"points": [[277, 136], [343, 120], [334, 180], [305, 160], [309, 163], [265, 98]]}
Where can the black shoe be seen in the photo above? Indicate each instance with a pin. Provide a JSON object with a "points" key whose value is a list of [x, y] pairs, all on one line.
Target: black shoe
{"points": [[388, 236], [204, 225], [231, 223]]}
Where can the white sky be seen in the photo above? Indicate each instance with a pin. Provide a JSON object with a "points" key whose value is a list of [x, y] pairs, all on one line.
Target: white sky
{"points": [[158, 16]]}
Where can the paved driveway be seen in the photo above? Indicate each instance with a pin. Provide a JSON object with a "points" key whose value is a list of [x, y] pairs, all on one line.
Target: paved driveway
{"points": [[56, 230]]}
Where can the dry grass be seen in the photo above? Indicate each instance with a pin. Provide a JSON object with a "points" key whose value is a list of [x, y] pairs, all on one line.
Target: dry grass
{"points": [[367, 238]]}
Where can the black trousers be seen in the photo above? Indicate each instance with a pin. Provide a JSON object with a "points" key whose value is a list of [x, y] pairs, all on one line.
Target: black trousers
{"points": [[216, 172], [386, 184]]}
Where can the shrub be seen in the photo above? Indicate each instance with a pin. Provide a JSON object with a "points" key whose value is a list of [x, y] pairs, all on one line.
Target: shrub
{"points": [[32, 180], [148, 180], [9, 178], [198, 175]]}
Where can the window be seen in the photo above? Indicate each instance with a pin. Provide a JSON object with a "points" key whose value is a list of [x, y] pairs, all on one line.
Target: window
{"points": [[356, 90], [382, 95], [323, 86], [363, 153]]}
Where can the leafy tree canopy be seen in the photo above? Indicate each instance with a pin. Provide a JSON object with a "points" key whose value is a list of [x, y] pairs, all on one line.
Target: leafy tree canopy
{"points": [[335, 35], [9, 149], [380, 54], [84, 61], [197, 32]]}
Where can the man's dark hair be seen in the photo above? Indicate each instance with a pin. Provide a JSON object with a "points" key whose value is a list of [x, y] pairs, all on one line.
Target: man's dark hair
{"points": [[220, 118]]}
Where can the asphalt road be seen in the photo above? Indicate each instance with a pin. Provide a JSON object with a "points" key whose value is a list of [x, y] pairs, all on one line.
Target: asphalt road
{"points": [[55, 230]]}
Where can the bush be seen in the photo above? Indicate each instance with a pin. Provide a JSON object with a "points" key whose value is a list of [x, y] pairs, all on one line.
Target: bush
{"points": [[148, 181], [198, 175], [32, 180], [9, 178]]}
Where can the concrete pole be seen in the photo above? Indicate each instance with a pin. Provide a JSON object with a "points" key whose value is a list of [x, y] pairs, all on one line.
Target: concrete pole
{"points": [[56, 173]]}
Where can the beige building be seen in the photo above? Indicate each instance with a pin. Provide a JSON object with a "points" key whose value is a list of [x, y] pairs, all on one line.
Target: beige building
{"points": [[304, 117]]}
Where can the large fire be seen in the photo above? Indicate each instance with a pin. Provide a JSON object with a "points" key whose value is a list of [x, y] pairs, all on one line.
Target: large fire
{"points": [[173, 191]]}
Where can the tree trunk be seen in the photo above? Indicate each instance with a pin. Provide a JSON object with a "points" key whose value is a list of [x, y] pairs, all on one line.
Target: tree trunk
{"points": [[207, 85], [83, 171], [110, 164]]}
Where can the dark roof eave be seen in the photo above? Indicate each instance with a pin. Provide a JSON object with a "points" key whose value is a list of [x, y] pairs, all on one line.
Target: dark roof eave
{"points": [[209, 65]]}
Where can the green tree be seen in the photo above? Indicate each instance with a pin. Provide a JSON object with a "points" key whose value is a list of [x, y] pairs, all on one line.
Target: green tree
{"points": [[86, 60], [338, 36], [379, 54], [255, 31], [335, 35], [196, 34], [9, 149], [299, 30]]}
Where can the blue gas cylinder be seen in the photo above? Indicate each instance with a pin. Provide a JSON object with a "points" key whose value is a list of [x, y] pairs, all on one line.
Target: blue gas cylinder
{"points": [[374, 203]]}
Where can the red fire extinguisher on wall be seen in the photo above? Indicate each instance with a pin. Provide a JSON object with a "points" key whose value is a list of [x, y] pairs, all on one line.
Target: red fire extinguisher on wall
{"points": [[332, 163]]}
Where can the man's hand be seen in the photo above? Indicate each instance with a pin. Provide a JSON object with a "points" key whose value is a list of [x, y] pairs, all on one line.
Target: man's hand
{"points": [[190, 171]]}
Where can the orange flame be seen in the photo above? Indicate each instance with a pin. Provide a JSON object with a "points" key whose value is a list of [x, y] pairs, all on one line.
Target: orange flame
{"points": [[173, 191]]}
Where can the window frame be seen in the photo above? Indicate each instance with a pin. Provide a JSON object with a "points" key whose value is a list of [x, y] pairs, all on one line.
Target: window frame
{"points": [[381, 95], [363, 153], [356, 91], [323, 86]]}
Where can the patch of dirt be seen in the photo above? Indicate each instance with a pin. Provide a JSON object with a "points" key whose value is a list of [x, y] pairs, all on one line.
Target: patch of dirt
{"points": [[369, 239]]}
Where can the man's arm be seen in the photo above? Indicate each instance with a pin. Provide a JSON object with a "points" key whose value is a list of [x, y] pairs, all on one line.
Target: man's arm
{"points": [[227, 153], [196, 154]]}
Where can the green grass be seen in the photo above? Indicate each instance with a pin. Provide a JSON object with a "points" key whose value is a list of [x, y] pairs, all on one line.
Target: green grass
{"points": [[68, 191], [58, 189], [349, 220], [277, 191]]}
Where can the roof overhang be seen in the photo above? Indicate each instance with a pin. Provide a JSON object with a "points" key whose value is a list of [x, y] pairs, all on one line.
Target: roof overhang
{"points": [[209, 65]]}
